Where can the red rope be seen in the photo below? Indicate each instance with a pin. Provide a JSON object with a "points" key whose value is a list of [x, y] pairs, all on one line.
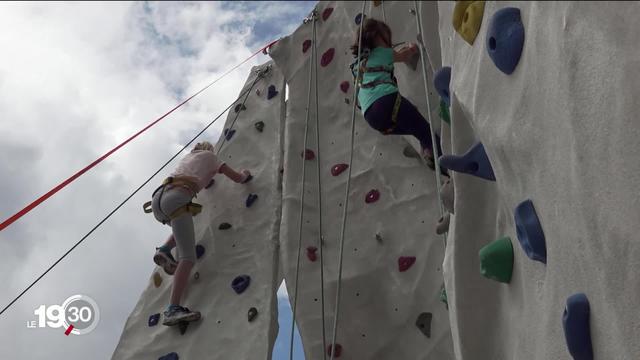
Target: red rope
{"points": [[51, 192]]}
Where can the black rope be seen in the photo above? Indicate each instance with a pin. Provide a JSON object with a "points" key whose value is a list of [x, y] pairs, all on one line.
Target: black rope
{"points": [[127, 199]]}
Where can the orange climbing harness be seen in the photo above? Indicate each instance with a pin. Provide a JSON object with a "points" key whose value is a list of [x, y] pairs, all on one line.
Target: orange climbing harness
{"points": [[192, 208]]}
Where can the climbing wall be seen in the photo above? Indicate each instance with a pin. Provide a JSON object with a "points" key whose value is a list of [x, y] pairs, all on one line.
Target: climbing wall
{"points": [[237, 237], [390, 306], [547, 88]]}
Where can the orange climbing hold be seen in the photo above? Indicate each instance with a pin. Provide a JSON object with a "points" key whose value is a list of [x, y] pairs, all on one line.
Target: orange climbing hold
{"points": [[467, 19]]}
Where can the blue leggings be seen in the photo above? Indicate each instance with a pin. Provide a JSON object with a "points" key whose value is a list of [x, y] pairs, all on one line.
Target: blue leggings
{"points": [[408, 122]]}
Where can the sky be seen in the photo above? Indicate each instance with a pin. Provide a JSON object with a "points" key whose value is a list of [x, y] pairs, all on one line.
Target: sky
{"points": [[76, 79]]}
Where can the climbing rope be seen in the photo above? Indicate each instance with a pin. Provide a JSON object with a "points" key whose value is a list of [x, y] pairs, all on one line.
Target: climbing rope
{"points": [[312, 18], [63, 184], [348, 187], [434, 145], [123, 202], [384, 15]]}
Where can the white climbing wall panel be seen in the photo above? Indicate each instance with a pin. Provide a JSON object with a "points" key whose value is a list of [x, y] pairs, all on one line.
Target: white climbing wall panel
{"points": [[248, 248], [379, 305], [561, 130]]}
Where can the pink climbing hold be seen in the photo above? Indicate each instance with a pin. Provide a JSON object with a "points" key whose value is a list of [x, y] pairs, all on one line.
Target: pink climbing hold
{"points": [[308, 154], [306, 45], [311, 253], [326, 13], [327, 57], [405, 262], [372, 196], [344, 86], [338, 169], [337, 352]]}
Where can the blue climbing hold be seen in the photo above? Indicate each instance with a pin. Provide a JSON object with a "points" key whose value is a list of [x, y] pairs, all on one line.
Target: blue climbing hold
{"points": [[529, 232], [199, 251], [272, 92], [241, 283], [153, 319], [251, 199], [575, 322], [475, 162], [358, 19], [228, 133], [169, 356], [505, 39], [441, 80]]}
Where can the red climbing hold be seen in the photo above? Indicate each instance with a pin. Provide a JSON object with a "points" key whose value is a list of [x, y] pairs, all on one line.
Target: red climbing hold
{"points": [[344, 86], [405, 262], [308, 154], [327, 57], [326, 13], [372, 196], [311, 253], [338, 169], [337, 351], [306, 45]]}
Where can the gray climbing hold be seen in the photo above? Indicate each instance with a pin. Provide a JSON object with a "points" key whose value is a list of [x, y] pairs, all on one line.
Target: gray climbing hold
{"points": [[423, 322], [410, 152], [447, 195], [196, 275], [239, 107], [259, 126], [258, 92], [378, 237], [224, 226], [347, 101], [251, 199], [443, 224], [251, 315]]}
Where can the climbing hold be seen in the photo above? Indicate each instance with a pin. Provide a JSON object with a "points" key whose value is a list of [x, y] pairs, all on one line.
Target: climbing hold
{"points": [[182, 326], [272, 92], [447, 195], [378, 237], [505, 39], [474, 162], [405, 262], [241, 283], [338, 169], [441, 80], [251, 199], [326, 13], [258, 92], [252, 313], [377, 3], [153, 320], [410, 152], [327, 57], [372, 196], [311, 253], [196, 275], [169, 356], [224, 226], [529, 232], [210, 184], [496, 260], [443, 296], [423, 322], [358, 19], [259, 126], [443, 112], [199, 251], [336, 352], [239, 107], [467, 18], [575, 322], [347, 101], [157, 279], [443, 224], [305, 45], [228, 134], [308, 154], [344, 86]]}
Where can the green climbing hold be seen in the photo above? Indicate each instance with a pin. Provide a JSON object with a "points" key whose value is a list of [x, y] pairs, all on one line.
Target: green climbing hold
{"points": [[444, 112], [157, 279], [467, 19], [496, 260]]}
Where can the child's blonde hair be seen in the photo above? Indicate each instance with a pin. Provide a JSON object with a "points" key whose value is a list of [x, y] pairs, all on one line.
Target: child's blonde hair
{"points": [[203, 145]]}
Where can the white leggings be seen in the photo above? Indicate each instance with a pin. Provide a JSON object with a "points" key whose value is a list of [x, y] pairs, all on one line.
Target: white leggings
{"points": [[165, 202]]}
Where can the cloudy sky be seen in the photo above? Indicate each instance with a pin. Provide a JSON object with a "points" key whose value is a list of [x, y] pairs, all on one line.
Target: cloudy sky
{"points": [[76, 79]]}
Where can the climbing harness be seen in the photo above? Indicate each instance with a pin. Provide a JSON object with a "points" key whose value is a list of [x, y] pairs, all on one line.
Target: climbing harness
{"points": [[172, 182]]}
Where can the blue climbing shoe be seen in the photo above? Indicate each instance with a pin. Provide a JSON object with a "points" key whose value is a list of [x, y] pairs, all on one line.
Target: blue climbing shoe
{"points": [[165, 260], [176, 314]]}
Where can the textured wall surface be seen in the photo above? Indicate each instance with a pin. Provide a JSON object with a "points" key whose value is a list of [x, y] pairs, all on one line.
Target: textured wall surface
{"points": [[380, 304], [560, 130], [248, 248]]}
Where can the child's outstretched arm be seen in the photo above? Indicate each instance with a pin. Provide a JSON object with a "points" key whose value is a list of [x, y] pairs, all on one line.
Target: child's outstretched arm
{"points": [[239, 177], [404, 53]]}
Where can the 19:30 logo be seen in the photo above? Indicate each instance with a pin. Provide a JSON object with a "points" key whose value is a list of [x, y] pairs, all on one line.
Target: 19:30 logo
{"points": [[78, 315]]}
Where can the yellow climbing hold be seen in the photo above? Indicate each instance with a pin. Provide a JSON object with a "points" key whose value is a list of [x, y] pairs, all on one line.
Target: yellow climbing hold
{"points": [[157, 279], [467, 18]]}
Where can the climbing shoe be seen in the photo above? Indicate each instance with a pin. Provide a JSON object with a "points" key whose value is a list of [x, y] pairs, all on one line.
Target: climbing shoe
{"points": [[165, 260], [176, 314]]}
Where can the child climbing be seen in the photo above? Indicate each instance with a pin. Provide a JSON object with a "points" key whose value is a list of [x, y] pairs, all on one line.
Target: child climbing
{"points": [[172, 205], [379, 99]]}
